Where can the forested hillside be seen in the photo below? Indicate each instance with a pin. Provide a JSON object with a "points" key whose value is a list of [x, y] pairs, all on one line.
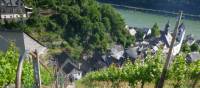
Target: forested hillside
{"points": [[78, 26], [188, 6]]}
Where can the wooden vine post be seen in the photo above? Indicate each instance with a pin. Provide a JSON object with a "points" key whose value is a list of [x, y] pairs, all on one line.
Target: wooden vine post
{"points": [[36, 66], [167, 62]]}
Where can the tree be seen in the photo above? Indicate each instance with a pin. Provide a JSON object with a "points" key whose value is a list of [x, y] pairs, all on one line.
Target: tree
{"points": [[185, 48], [194, 47], [155, 30], [83, 24]]}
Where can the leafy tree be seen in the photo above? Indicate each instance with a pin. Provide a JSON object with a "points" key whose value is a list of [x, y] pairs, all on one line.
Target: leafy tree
{"points": [[194, 47], [83, 24], [155, 30], [185, 48], [107, 23]]}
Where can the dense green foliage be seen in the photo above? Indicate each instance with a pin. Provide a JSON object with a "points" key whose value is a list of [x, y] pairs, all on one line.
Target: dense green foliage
{"points": [[79, 26], [180, 73], [183, 73], [8, 66], [194, 47], [185, 48], [155, 30], [8, 69], [178, 70]]}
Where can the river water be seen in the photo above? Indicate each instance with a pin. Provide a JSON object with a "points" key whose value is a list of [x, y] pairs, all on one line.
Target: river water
{"points": [[145, 19]]}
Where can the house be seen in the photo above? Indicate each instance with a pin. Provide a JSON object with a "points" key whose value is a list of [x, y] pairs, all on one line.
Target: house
{"points": [[12, 9], [192, 57], [131, 30], [166, 38], [132, 52], [69, 66], [147, 32], [23, 42], [190, 40], [73, 71], [117, 52], [154, 49]]}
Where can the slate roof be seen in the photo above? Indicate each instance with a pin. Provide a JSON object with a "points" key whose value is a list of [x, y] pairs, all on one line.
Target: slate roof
{"points": [[68, 68], [167, 38], [190, 39], [22, 40], [132, 52]]}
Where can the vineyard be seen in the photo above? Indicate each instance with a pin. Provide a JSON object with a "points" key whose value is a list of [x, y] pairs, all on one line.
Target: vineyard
{"points": [[145, 73], [8, 69]]}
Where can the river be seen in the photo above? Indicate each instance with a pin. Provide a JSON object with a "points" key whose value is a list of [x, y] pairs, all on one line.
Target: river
{"points": [[145, 19]]}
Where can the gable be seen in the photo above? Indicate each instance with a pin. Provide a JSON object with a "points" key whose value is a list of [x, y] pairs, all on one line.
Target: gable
{"points": [[32, 45]]}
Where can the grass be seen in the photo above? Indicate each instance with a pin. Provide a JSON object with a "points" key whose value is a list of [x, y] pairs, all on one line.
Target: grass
{"points": [[108, 84]]}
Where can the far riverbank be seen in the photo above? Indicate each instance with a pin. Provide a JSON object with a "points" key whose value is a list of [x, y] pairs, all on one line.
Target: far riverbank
{"points": [[147, 19]]}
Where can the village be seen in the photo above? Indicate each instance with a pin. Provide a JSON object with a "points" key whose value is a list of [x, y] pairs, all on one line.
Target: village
{"points": [[117, 54]]}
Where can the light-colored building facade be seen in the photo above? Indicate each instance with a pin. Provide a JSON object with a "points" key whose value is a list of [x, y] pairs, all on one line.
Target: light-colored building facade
{"points": [[13, 9], [167, 38]]}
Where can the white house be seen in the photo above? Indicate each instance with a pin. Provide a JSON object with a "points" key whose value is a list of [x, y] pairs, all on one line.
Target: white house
{"points": [[167, 38], [132, 31], [12, 9], [117, 51], [147, 32]]}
